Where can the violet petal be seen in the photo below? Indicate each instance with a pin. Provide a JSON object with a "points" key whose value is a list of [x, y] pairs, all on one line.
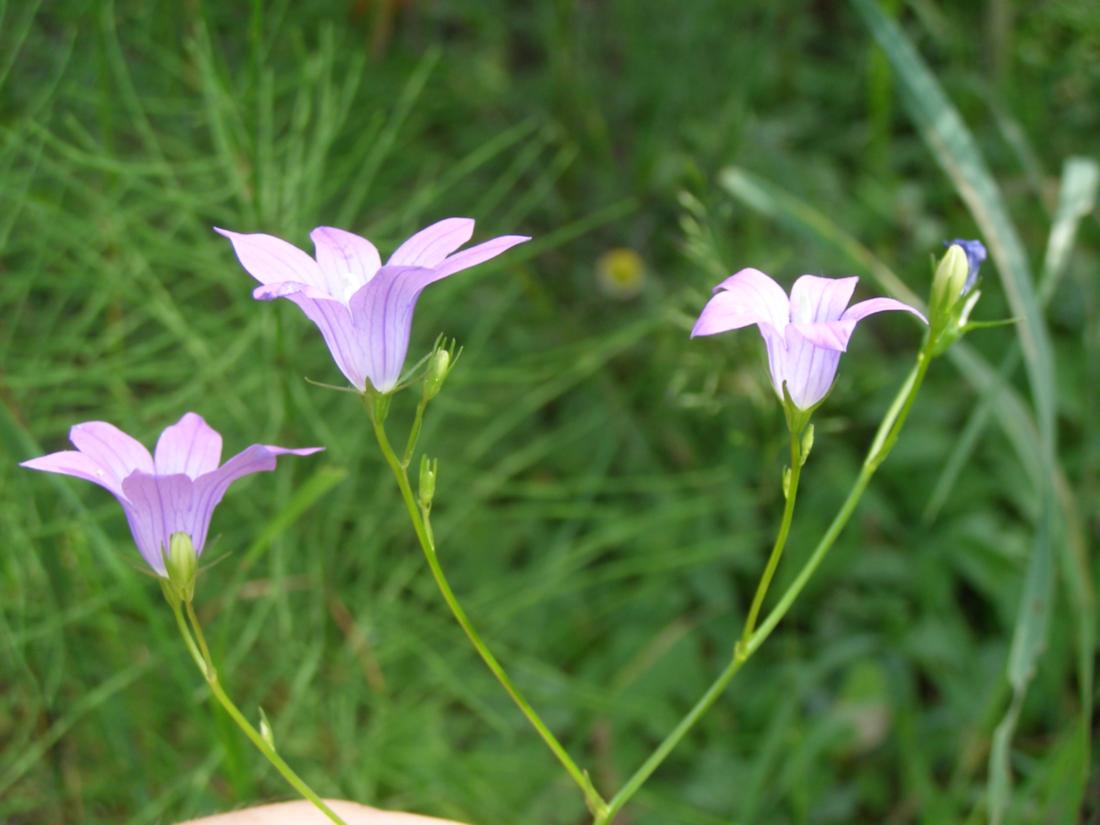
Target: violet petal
{"points": [[116, 453], [346, 343], [271, 260], [74, 463], [477, 254], [347, 261], [381, 313], [209, 488], [156, 507], [429, 246], [747, 297], [815, 299], [857, 312], [809, 370], [189, 446]]}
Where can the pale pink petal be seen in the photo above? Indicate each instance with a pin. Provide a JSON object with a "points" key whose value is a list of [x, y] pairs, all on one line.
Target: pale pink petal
{"points": [[829, 334], [477, 254], [73, 463], [776, 345], [429, 246], [809, 370], [382, 313], [347, 260], [286, 289], [271, 260], [210, 488], [857, 312], [344, 341], [747, 297], [116, 453], [815, 299], [190, 447], [156, 507]]}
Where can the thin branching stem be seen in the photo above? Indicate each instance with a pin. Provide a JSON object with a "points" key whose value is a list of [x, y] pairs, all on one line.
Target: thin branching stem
{"points": [[885, 438], [195, 639], [422, 527]]}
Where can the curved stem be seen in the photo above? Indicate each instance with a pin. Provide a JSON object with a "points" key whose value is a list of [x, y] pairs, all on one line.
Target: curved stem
{"points": [[195, 640], [718, 687], [885, 438], [639, 777], [422, 528], [751, 640], [791, 493]]}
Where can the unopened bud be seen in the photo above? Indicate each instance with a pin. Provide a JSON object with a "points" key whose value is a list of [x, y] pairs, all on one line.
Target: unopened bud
{"points": [[266, 731], [428, 471], [438, 368], [181, 563], [949, 280], [953, 293], [806, 445]]}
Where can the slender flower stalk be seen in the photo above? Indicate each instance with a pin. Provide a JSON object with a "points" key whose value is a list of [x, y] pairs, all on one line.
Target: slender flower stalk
{"points": [[885, 438], [751, 639], [419, 514], [169, 497], [791, 493], [718, 687], [193, 637]]}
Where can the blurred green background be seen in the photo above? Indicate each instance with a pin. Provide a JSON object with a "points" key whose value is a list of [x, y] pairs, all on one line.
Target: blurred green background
{"points": [[608, 487]]}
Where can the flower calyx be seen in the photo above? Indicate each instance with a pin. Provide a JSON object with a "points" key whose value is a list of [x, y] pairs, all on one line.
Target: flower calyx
{"points": [[954, 293]]}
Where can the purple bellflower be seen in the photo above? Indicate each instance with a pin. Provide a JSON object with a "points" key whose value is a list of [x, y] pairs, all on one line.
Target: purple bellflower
{"points": [[363, 309], [975, 257], [804, 334], [173, 491]]}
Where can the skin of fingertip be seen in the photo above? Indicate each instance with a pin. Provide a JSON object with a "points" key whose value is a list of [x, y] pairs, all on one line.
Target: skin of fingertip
{"points": [[303, 813]]}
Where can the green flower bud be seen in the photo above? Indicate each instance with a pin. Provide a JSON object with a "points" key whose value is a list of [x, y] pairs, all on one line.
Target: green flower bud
{"points": [[949, 280], [429, 469], [182, 565], [438, 368], [806, 445], [954, 293], [266, 731]]}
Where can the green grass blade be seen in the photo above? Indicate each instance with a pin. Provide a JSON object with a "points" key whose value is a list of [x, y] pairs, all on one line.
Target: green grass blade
{"points": [[957, 152], [1076, 199]]}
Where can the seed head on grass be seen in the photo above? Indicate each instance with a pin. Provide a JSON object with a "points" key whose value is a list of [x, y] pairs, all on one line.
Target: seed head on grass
{"points": [[363, 309], [175, 490]]}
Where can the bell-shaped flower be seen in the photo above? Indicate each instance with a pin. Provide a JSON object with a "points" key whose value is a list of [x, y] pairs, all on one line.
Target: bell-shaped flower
{"points": [[175, 490], [363, 309], [805, 334]]}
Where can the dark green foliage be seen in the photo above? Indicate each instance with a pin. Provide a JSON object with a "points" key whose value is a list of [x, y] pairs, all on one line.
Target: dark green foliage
{"points": [[607, 488]]}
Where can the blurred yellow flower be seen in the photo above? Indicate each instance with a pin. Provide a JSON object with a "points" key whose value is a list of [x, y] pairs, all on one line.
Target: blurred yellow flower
{"points": [[620, 273]]}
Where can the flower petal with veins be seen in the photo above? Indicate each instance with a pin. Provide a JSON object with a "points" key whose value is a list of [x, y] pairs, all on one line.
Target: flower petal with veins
{"points": [[174, 493], [363, 309], [804, 334]]}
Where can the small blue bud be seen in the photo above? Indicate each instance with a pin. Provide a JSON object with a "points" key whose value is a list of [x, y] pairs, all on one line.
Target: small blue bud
{"points": [[975, 257]]}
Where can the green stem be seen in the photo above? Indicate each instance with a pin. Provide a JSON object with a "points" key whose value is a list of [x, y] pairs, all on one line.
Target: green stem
{"points": [[201, 654], [885, 438], [790, 492], [718, 687], [423, 532], [414, 432], [634, 784]]}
